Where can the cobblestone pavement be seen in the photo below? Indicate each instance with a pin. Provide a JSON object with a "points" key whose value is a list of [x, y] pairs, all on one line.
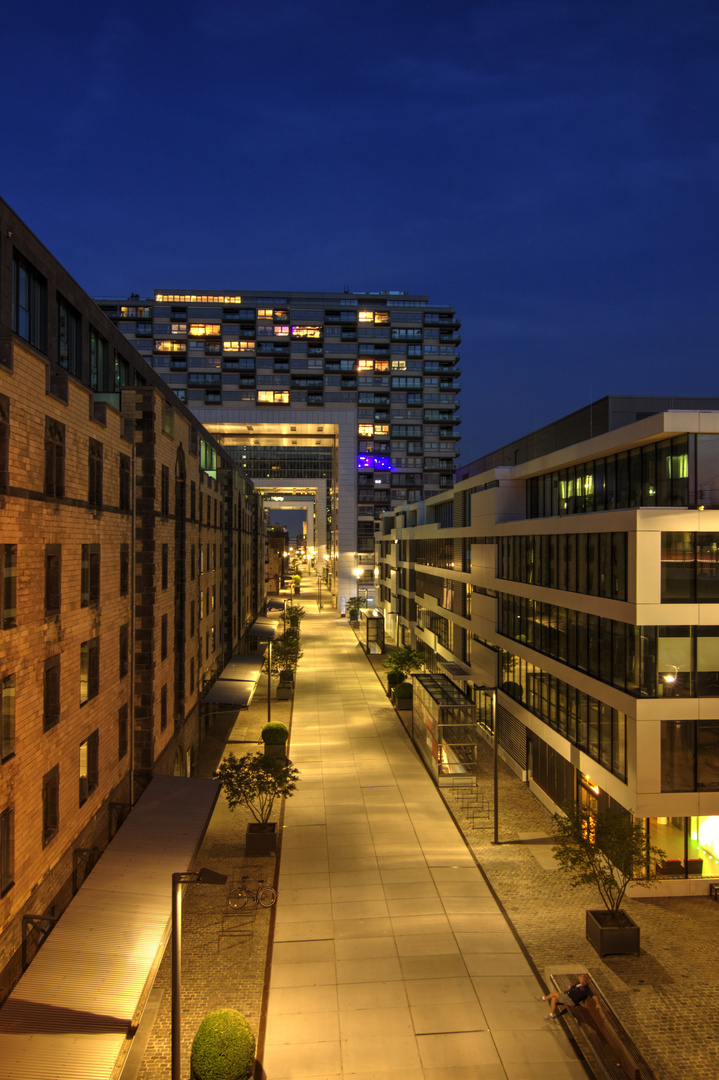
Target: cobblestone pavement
{"points": [[661, 997]]}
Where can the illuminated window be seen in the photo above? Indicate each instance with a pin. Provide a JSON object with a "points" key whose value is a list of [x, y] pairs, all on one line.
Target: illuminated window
{"points": [[381, 365], [365, 365], [373, 316], [230, 346], [399, 365], [283, 314], [365, 316], [273, 397], [381, 429], [365, 429], [306, 331], [282, 331], [381, 316], [204, 329], [193, 298], [245, 345], [264, 313], [170, 346], [178, 328]]}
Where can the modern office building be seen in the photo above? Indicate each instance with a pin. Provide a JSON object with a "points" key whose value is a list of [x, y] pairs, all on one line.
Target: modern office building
{"points": [[132, 563], [568, 585], [349, 399]]}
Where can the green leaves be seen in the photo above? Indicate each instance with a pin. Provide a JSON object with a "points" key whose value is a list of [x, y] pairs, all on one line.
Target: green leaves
{"points": [[403, 660], [256, 781]]}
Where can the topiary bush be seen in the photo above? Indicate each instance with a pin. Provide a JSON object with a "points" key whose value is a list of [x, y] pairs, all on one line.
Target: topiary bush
{"points": [[275, 733], [403, 690], [224, 1047], [395, 679]]}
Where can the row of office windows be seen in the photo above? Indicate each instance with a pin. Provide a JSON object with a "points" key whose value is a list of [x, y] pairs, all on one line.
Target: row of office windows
{"points": [[683, 471], [591, 563], [591, 725], [690, 567], [644, 661]]}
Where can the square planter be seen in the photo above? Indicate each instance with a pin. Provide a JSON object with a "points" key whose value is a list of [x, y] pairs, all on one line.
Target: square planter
{"points": [[261, 839], [612, 934], [284, 691]]}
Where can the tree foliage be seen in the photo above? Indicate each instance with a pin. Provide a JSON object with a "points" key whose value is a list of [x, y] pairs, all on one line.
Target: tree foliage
{"points": [[256, 781], [224, 1047], [294, 614], [605, 849], [403, 660], [286, 652], [354, 605]]}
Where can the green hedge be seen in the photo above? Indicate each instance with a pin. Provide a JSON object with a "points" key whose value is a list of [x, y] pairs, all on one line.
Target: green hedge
{"points": [[224, 1047], [275, 733], [394, 678], [403, 690]]}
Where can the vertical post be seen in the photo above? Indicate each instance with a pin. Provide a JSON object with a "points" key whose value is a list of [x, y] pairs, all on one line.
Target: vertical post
{"points": [[269, 681], [495, 767], [176, 976]]}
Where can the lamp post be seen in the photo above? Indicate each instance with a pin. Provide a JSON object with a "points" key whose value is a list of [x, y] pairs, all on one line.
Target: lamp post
{"points": [[319, 598], [269, 680], [495, 766], [188, 877]]}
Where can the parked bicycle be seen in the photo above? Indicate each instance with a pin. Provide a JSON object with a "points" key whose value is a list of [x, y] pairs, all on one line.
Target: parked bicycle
{"points": [[264, 895]]}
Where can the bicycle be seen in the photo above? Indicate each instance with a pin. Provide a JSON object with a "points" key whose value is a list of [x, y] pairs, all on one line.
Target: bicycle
{"points": [[264, 895]]}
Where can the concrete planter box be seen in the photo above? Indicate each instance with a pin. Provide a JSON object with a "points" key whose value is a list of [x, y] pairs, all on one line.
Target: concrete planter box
{"points": [[275, 750], [284, 691], [402, 702], [612, 934], [261, 839]]}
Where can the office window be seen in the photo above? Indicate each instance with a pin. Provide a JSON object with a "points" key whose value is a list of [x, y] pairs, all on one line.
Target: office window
{"points": [[89, 670], [50, 804], [9, 586], [125, 484], [165, 564], [51, 693], [8, 716], [124, 569], [69, 349], [54, 458], [29, 303], [53, 563], [163, 638], [7, 850], [123, 732], [165, 491], [90, 575], [163, 708], [124, 650], [98, 361], [4, 441], [94, 475], [89, 766]]}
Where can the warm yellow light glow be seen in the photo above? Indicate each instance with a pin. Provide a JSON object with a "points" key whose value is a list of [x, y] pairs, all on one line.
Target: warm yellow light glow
{"points": [[282, 331], [170, 346], [264, 313], [306, 331], [204, 329], [274, 397], [196, 298], [366, 429]]}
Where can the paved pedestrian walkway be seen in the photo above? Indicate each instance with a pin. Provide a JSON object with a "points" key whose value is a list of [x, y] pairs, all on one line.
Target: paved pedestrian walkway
{"points": [[390, 956]]}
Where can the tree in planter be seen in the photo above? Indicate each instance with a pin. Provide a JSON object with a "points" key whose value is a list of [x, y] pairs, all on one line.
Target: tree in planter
{"points": [[294, 614], [275, 733], [286, 654], [605, 849], [256, 781], [400, 662], [224, 1047], [353, 607]]}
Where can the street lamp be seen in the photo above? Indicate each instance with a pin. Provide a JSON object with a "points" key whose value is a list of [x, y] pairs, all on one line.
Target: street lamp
{"points": [[269, 680], [186, 877]]}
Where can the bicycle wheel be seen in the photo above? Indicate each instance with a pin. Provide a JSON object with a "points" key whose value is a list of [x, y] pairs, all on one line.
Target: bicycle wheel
{"points": [[239, 900], [266, 896]]}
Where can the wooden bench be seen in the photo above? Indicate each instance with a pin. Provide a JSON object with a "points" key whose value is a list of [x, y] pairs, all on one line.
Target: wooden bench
{"points": [[611, 1047]]}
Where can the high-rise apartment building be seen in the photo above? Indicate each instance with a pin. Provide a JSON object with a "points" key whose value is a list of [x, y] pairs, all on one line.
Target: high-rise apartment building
{"points": [[349, 398]]}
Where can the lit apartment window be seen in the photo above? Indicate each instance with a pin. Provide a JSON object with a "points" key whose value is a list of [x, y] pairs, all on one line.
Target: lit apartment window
{"points": [[7, 850], [169, 346], [89, 766], [204, 330], [273, 397], [8, 716]]}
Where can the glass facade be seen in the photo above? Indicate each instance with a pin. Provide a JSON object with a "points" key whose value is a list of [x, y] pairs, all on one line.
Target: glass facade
{"points": [[592, 563], [690, 567]]}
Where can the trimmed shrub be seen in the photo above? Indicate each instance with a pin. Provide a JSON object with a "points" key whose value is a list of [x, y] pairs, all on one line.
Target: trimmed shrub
{"points": [[275, 733], [394, 678], [224, 1047], [403, 690]]}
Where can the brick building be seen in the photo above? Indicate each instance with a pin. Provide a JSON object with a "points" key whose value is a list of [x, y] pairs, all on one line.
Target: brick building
{"points": [[132, 562]]}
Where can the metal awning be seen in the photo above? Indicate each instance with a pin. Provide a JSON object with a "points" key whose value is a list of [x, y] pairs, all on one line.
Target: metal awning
{"points": [[264, 627], [247, 668], [235, 693], [455, 669], [69, 1015], [442, 690]]}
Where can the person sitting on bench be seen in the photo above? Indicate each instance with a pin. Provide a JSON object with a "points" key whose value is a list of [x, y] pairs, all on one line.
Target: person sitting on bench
{"points": [[575, 995]]}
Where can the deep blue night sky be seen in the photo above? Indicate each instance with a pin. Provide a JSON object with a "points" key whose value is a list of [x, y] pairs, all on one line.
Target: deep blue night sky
{"points": [[548, 166]]}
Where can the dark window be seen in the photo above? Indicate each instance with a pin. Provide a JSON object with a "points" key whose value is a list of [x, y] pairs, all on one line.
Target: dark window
{"points": [[99, 363], [163, 638], [69, 348], [8, 716], [50, 804], [9, 586], [163, 708], [7, 849], [124, 569], [165, 564], [122, 732], [94, 478], [192, 500], [124, 650], [192, 675], [89, 670], [29, 303], [125, 484], [192, 618], [51, 693], [4, 442], [90, 575], [89, 765], [165, 491], [54, 458], [53, 577], [192, 562], [708, 755], [678, 755]]}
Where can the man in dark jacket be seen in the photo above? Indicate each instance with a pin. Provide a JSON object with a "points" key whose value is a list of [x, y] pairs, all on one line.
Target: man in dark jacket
{"points": [[575, 995]]}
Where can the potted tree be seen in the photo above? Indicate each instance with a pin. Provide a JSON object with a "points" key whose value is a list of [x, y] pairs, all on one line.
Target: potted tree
{"points": [[353, 607], [399, 663], [256, 781], [286, 655], [402, 695], [606, 849], [274, 736], [296, 581], [223, 1047], [294, 614]]}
